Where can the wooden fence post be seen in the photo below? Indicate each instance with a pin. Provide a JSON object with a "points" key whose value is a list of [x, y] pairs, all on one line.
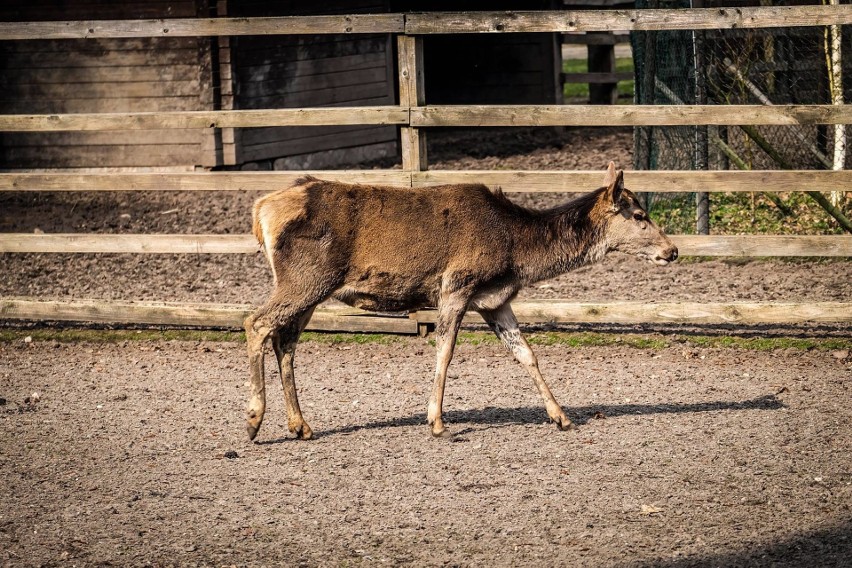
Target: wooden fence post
{"points": [[412, 93]]}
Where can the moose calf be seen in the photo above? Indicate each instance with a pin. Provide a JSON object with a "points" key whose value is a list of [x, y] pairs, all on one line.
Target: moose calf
{"points": [[456, 247]]}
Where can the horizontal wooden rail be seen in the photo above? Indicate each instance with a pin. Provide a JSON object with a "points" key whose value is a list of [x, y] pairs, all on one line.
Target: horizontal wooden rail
{"points": [[431, 116], [659, 181], [510, 180], [327, 318], [626, 20], [189, 27], [689, 245], [440, 23], [561, 311], [205, 119], [190, 181], [628, 115], [124, 243]]}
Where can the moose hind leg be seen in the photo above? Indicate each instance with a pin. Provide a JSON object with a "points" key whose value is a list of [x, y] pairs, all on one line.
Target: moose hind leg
{"points": [[503, 323], [284, 342], [282, 311]]}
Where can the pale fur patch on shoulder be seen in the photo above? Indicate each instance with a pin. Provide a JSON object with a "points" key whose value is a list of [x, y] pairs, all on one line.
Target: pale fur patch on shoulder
{"points": [[271, 215]]}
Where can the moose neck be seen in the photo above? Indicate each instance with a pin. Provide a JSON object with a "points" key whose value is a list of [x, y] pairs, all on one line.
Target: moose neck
{"points": [[561, 239]]}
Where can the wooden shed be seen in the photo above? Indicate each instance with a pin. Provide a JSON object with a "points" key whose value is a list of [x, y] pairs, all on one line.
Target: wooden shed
{"points": [[246, 72]]}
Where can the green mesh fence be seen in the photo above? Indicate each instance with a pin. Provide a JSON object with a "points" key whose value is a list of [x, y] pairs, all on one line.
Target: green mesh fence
{"points": [[735, 66]]}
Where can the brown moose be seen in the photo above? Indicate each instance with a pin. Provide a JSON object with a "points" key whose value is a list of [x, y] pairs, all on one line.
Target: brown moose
{"points": [[456, 247]]}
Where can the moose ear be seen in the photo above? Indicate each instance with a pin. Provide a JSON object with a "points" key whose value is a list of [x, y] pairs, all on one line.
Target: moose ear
{"points": [[615, 187], [609, 177]]}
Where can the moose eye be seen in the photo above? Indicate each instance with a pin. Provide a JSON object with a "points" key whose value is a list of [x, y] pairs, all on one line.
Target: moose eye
{"points": [[638, 216]]}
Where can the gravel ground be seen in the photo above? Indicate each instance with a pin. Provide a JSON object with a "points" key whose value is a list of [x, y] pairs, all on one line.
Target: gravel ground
{"points": [[135, 454]]}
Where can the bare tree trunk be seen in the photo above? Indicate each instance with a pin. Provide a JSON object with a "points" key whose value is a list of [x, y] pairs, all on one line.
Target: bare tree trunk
{"points": [[835, 81]]}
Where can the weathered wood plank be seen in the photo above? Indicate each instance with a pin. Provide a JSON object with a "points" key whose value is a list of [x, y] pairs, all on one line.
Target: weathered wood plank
{"points": [[206, 119], [510, 180], [127, 243], [763, 245], [325, 318], [412, 92], [628, 115], [561, 311], [201, 181], [328, 318], [689, 245], [659, 181], [184, 27], [439, 23], [626, 20]]}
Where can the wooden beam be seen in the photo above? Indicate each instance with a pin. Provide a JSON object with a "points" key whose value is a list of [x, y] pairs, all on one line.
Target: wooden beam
{"points": [[325, 318], [689, 245], [125, 243], [440, 23], [428, 116], [205, 119], [195, 181], [628, 115], [626, 20], [763, 245], [561, 311], [526, 181], [658, 181], [412, 92], [192, 27]]}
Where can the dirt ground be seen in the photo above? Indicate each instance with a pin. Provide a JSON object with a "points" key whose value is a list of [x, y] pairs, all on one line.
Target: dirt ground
{"points": [[135, 453]]}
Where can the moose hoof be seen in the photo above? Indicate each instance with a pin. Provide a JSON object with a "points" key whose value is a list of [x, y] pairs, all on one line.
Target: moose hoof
{"points": [[564, 424], [252, 431], [439, 431], [302, 431]]}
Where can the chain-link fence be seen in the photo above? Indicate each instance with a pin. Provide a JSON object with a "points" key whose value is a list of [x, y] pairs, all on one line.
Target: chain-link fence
{"points": [[739, 66]]}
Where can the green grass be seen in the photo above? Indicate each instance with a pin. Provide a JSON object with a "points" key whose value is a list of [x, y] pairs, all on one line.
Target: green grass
{"points": [[581, 90], [744, 213], [567, 339]]}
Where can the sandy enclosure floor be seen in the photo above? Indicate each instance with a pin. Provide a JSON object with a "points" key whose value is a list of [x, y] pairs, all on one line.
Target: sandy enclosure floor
{"points": [[683, 457]]}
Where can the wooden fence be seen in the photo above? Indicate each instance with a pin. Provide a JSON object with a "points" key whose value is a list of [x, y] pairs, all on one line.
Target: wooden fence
{"points": [[415, 117]]}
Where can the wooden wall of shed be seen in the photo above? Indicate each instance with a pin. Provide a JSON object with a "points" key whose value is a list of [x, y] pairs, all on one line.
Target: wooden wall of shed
{"points": [[105, 75], [312, 70]]}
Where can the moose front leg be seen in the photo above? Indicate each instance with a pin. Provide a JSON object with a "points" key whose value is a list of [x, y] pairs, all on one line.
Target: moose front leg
{"points": [[503, 323], [450, 314], [284, 344]]}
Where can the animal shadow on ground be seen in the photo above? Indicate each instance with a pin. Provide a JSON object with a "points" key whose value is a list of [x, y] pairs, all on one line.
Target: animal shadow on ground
{"points": [[828, 547], [494, 417]]}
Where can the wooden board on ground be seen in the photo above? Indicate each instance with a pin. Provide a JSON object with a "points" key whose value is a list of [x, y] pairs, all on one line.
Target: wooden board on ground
{"points": [[561, 311], [325, 318], [346, 319]]}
